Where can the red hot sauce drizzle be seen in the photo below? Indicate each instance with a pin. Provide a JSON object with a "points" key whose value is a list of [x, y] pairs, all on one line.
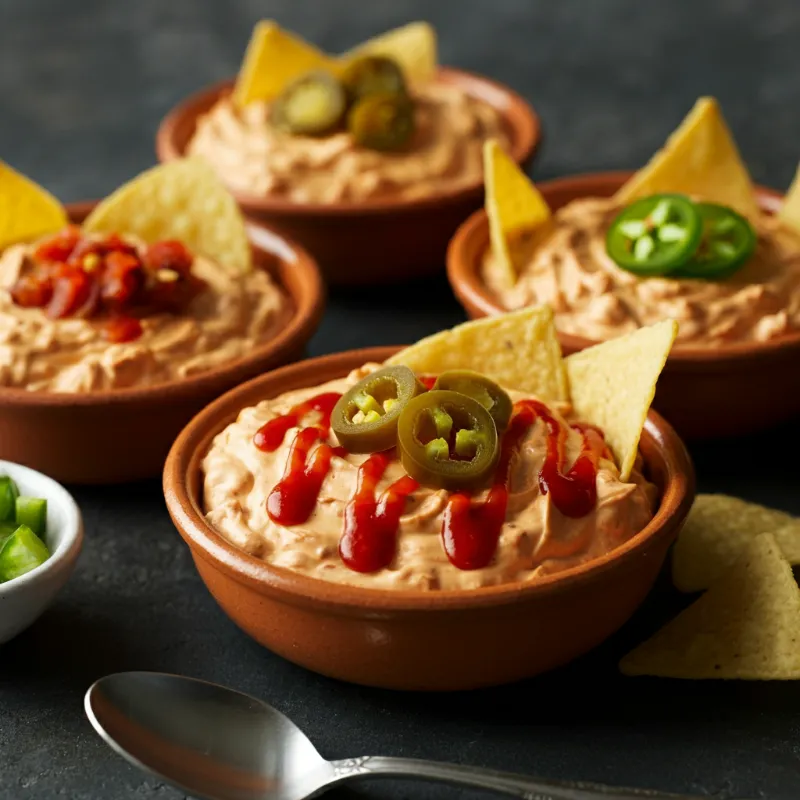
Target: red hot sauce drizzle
{"points": [[369, 541], [294, 497], [470, 531]]}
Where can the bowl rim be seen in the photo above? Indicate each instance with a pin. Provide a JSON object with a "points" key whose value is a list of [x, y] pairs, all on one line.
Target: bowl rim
{"points": [[468, 286], [182, 467], [308, 309], [524, 124], [72, 538]]}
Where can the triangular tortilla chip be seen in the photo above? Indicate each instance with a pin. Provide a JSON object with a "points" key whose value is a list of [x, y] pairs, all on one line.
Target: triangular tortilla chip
{"points": [[613, 384], [273, 58], [519, 350], [513, 204], [182, 199], [699, 159], [790, 210], [27, 211], [716, 532], [747, 626], [412, 46]]}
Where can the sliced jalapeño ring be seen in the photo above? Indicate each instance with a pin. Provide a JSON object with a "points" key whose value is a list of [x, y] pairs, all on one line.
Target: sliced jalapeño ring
{"points": [[372, 75], [448, 440], [727, 243], [477, 386], [365, 418], [382, 121], [312, 105], [655, 235]]}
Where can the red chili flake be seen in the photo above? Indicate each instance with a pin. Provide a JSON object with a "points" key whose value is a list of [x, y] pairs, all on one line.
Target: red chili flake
{"points": [[122, 278], [58, 247], [71, 289], [33, 289], [169, 255], [122, 329]]}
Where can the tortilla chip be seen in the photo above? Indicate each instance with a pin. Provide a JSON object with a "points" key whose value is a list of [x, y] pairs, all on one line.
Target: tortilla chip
{"points": [[27, 211], [716, 532], [519, 350], [613, 384], [790, 210], [513, 204], [747, 626], [183, 199], [272, 60], [412, 46], [699, 159]]}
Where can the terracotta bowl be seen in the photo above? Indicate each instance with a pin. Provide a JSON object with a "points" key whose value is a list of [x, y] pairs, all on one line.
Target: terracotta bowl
{"points": [[374, 241], [416, 639], [705, 393], [124, 434]]}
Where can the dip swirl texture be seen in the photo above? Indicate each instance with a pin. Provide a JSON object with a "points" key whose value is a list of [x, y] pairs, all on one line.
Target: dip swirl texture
{"points": [[593, 297], [444, 153], [536, 539]]}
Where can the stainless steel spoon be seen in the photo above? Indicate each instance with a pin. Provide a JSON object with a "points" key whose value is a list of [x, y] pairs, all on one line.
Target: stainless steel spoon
{"points": [[219, 744]]}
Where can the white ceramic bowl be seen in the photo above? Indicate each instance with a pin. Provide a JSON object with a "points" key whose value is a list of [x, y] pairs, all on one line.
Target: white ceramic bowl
{"points": [[24, 599]]}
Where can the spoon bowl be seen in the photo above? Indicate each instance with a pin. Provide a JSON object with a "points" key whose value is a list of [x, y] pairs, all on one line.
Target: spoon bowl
{"points": [[219, 744]]}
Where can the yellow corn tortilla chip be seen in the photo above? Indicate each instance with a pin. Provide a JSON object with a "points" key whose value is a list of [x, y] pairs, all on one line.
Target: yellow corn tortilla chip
{"points": [[185, 200], [513, 204], [519, 350], [27, 211], [273, 58], [716, 532], [790, 210], [412, 46], [613, 384], [747, 625], [700, 159]]}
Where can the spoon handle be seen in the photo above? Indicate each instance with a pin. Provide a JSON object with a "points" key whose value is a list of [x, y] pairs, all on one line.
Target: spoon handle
{"points": [[507, 783]]}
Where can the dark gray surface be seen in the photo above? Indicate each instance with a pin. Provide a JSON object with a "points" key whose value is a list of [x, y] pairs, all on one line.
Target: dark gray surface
{"points": [[82, 87]]}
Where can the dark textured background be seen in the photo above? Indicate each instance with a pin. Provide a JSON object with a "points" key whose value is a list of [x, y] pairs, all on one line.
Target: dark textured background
{"points": [[83, 85]]}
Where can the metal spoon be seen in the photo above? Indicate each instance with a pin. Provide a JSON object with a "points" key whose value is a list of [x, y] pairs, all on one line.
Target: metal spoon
{"points": [[219, 744]]}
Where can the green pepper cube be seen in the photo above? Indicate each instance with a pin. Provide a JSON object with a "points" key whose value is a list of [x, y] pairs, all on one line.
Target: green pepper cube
{"points": [[32, 511], [467, 442], [6, 529], [438, 449], [366, 403], [22, 552], [442, 421], [8, 497]]}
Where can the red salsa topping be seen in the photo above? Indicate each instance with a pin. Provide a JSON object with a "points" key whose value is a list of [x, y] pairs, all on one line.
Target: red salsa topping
{"points": [[71, 275], [470, 529]]}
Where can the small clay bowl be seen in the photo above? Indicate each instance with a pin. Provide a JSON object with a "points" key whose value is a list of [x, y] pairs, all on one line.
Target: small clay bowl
{"points": [[414, 639], [124, 434], [705, 393], [376, 241]]}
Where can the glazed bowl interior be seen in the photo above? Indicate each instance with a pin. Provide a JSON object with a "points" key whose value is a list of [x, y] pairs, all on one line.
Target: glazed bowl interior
{"points": [[471, 242], [667, 464], [114, 435], [522, 123]]}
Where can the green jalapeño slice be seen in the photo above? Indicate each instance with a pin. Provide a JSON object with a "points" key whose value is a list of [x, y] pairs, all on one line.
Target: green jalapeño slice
{"points": [[382, 121], [727, 243], [480, 388], [365, 418], [655, 235], [373, 75], [312, 105], [448, 440]]}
